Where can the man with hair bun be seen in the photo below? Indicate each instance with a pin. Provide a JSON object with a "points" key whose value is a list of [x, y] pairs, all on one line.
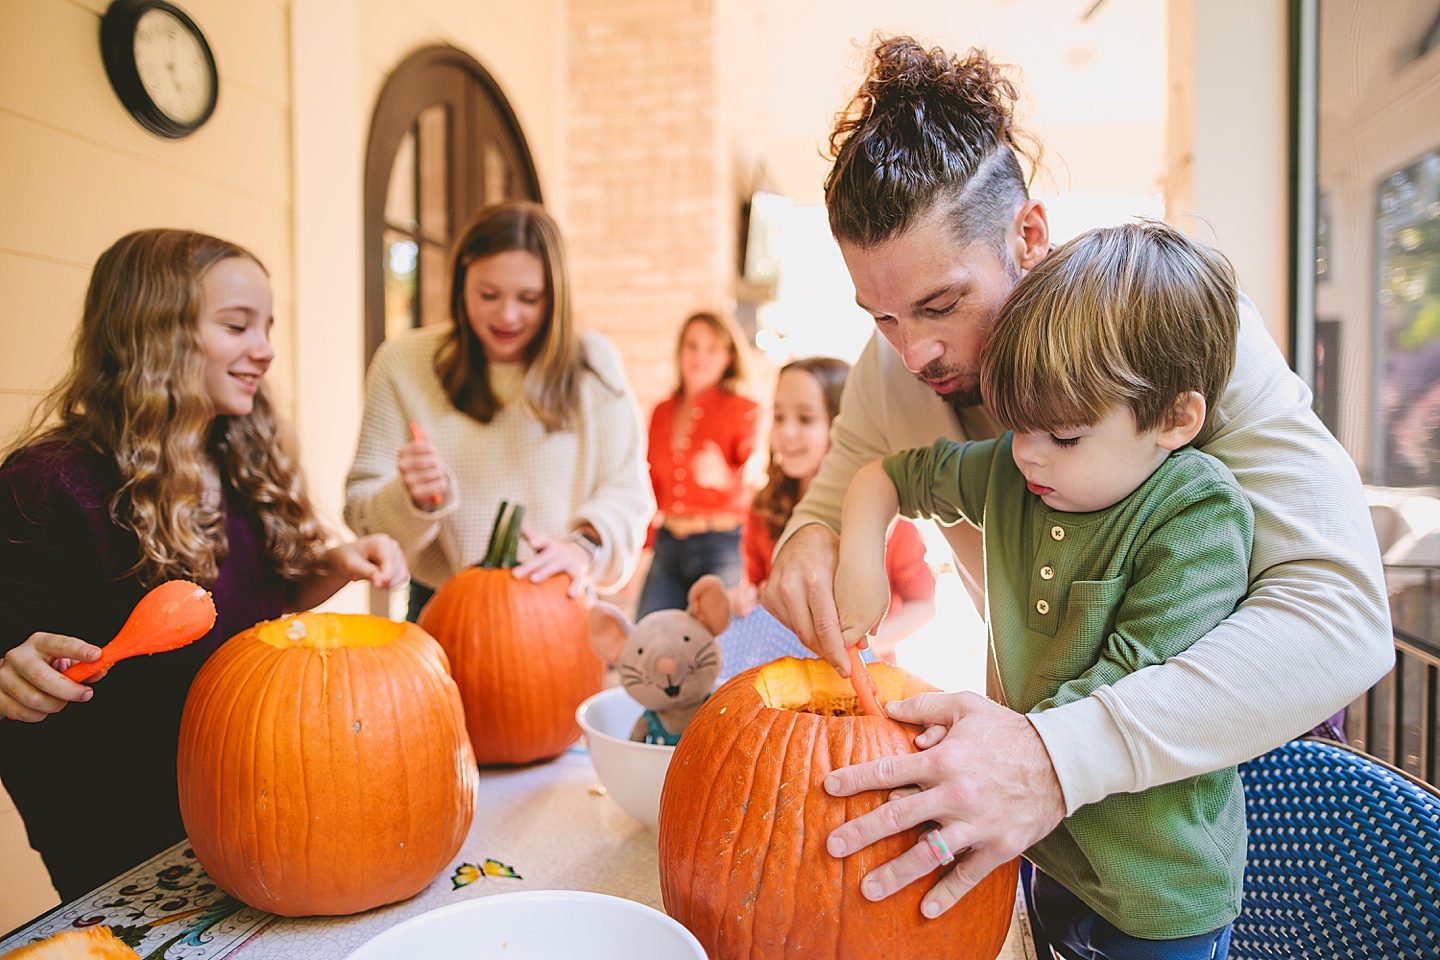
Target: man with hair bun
{"points": [[929, 204]]}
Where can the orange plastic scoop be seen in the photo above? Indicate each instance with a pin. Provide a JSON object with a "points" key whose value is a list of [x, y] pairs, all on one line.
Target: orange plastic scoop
{"points": [[173, 614], [864, 685]]}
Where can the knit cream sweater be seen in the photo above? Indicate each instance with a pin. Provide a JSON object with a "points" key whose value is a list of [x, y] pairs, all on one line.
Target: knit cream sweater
{"points": [[594, 473]]}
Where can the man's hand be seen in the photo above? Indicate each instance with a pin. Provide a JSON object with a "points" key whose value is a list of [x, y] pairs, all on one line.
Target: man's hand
{"points": [[801, 592], [984, 777]]}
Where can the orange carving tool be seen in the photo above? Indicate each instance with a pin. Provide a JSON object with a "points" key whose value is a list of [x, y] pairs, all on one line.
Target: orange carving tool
{"points": [[864, 685], [168, 617]]}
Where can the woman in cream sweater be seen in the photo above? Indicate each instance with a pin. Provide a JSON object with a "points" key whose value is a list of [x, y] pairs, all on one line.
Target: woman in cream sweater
{"points": [[508, 402]]}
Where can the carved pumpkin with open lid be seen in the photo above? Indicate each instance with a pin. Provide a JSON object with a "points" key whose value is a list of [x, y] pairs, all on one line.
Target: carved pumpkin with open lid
{"points": [[744, 818], [324, 766]]}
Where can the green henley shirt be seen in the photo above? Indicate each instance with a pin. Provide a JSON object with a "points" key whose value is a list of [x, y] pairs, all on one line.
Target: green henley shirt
{"points": [[1076, 601]]}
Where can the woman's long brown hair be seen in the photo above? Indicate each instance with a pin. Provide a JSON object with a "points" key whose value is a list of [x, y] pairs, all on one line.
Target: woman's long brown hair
{"points": [[554, 360]]}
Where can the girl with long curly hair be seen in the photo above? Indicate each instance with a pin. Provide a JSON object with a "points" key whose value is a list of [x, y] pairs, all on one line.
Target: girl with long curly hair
{"points": [[158, 456]]}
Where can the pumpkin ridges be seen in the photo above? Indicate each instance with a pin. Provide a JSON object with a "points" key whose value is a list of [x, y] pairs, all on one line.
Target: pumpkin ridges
{"points": [[365, 819], [813, 875], [716, 794], [834, 871], [402, 738], [295, 793], [340, 836], [414, 772], [773, 911], [248, 852], [520, 691], [745, 740], [679, 764], [874, 739], [743, 864], [426, 766]]}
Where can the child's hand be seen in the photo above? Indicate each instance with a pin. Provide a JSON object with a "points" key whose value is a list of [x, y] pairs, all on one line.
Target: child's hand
{"points": [[862, 595], [422, 471], [32, 682], [377, 558], [743, 598]]}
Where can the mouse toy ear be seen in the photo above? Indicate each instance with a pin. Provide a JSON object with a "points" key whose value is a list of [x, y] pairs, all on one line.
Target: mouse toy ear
{"points": [[608, 629], [709, 603]]}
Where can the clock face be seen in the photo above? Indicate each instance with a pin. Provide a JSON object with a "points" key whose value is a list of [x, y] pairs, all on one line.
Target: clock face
{"points": [[173, 66]]}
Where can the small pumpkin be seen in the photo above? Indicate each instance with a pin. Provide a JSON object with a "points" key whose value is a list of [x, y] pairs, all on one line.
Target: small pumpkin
{"points": [[95, 943], [744, 819], [519, 651], [324, 766]]}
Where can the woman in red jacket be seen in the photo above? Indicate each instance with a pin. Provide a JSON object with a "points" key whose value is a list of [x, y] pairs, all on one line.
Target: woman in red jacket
{"points": [[701, 438]]}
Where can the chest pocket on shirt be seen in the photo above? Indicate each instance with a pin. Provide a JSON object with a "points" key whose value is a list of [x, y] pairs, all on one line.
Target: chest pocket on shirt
{"points": [[1089, 616]]}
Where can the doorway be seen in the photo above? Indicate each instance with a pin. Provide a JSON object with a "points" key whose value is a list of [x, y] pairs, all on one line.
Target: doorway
{"points": [[443, 143]]}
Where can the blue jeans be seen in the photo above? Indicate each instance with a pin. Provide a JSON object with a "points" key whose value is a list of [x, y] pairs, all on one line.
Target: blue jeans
{"points": [[677, 564], [1079, 933]]}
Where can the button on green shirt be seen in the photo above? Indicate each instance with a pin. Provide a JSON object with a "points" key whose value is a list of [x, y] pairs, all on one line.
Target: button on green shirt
{"points": [[1076, 601]]}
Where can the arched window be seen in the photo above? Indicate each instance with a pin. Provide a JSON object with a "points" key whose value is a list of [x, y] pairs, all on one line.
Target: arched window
{"points": [[443, 142]]}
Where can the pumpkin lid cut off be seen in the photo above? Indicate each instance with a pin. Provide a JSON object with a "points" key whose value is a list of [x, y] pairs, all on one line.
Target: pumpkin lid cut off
{"points": [[813, 686]]}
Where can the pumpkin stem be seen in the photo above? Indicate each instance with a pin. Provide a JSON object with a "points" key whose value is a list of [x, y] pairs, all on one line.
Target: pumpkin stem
{"points": [[494, 550], [512, 537]]}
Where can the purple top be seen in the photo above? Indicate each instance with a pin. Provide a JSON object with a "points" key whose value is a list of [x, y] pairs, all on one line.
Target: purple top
{"points": [[96, 783]]}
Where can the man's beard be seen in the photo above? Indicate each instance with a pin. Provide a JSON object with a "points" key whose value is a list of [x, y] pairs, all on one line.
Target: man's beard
{"points": [[965, 396]]}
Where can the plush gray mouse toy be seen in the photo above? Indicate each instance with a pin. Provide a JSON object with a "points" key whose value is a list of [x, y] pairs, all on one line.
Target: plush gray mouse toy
{"points": [[668, 661]]}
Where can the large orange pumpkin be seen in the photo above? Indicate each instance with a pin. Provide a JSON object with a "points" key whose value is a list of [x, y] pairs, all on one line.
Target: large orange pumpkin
{"points": [[744, 819], [324, 766], [520, 654]]}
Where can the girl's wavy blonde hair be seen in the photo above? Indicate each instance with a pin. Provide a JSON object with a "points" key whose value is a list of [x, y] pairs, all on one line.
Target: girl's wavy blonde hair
{"points": [[136, 393]]}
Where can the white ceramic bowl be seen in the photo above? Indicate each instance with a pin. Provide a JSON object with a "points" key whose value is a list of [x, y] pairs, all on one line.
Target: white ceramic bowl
{"points": [[631, 772], [537, 925]]}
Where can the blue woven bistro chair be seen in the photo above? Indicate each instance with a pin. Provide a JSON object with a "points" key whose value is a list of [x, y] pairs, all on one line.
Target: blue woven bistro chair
{"points": [[1344, 858]]}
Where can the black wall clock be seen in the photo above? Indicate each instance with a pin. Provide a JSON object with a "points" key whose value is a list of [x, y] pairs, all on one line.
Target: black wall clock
{"points": [[160, 66]]}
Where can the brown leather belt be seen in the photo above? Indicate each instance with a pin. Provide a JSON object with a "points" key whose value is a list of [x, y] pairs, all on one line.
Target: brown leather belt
{"points": [[681, 526]]}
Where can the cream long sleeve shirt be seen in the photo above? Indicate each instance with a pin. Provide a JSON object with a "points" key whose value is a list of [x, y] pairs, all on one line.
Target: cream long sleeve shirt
{"points": [[594, 473], [1312, 634]]}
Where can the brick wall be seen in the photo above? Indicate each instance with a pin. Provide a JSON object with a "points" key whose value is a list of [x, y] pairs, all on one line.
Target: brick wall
{"points": [[650, 218]]}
